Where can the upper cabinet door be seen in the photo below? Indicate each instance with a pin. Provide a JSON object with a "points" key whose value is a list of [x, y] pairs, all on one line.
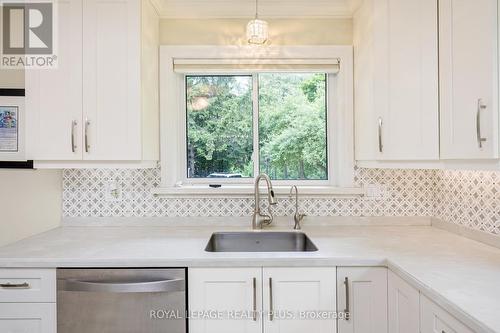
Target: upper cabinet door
{"points": [[111, 80], [406, 79], [468, 36], [290, 291], [225, 290], [396, 78], [362, 291], [54, 96]]}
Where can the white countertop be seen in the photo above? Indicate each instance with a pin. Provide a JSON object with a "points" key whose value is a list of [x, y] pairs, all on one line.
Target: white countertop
{"points": [[460, 274]]}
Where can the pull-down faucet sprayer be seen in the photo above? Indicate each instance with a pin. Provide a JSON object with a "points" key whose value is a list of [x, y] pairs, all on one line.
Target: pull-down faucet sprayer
{"points": [[258, 219]]}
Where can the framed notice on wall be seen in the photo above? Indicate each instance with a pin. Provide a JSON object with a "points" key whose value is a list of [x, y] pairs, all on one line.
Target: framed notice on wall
{"points": [[12, 135], [9, 129]]}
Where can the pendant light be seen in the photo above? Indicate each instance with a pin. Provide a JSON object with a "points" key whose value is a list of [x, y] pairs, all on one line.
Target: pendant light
{"points": [[257, 30]]}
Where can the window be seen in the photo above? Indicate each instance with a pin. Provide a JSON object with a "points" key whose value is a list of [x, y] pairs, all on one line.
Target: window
{"points": [[229, 113], [289, 136], [219, 117], [292, 126]]}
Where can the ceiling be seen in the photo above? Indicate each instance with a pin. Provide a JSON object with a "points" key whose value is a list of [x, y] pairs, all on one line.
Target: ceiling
{"points": [[246, 8]]}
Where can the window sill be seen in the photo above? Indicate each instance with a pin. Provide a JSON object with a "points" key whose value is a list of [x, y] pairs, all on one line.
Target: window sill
{"points": [[247, 191]]}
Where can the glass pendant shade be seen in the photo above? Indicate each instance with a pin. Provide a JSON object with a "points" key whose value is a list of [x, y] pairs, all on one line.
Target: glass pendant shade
{"points": [[257, 31]]}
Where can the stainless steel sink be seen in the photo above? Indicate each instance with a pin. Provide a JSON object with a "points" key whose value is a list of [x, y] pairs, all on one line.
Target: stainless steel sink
{"points": [[260, 241]]}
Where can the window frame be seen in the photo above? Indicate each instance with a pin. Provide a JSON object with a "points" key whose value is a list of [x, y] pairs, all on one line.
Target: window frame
{"points": [[340, 117], [256, 153]]}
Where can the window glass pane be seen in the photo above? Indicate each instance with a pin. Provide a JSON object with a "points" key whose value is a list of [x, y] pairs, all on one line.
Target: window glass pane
{"points": [[292, 126], [219, 126]]}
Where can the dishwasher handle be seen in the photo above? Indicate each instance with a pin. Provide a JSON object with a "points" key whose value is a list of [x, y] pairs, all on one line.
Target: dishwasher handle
{"points": [[160, 286]]}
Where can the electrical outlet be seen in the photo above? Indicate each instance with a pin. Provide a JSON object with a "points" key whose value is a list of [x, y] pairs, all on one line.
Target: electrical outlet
{"points": [[375, 191], [113, 191]]}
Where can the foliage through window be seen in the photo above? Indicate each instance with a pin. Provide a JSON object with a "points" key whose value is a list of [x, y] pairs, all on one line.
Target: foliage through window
{"points": [[291, 135]]}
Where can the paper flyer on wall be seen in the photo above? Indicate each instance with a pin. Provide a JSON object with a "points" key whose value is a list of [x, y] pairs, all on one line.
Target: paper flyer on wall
{"points": [[9, 129]]}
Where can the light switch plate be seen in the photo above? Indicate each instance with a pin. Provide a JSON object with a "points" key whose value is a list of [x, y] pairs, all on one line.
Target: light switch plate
{"points": [[113, 191]]}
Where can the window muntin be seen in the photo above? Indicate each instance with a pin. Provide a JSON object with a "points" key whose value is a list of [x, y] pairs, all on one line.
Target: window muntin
{"points": [[290, 131]]}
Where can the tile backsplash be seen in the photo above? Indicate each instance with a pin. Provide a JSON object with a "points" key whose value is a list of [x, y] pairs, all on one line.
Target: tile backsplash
{"points": [[405, 193], [468, 198]]}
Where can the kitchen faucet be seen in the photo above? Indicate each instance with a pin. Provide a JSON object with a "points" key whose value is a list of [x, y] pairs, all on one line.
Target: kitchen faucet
{"points": [[258, 219], [297, 217]]}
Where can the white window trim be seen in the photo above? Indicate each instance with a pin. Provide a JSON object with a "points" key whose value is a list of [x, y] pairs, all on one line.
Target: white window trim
{"points": [[172, 121]]}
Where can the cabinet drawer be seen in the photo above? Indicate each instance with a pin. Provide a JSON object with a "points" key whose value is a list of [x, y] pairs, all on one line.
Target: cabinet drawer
{"points": [[28, 318], [27, 285], [435, 319]]}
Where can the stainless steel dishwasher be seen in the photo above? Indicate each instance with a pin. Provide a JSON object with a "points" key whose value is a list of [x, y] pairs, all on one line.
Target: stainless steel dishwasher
{"points": [[121, 301]]}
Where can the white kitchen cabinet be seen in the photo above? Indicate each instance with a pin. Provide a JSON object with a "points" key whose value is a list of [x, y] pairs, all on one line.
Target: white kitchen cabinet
{"points": [[225, 290], [101, 103], [468, 39], [28, 318], [111, 80], [284, 292], [433, 319], [396, 80], [362, 292], [35, 285], [295, 297], [28, 300], [54, 96], [403, 306]]}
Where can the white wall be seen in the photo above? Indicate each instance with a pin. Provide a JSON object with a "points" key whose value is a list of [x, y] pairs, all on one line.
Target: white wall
{"points": [[232, 31], [30, 203], [30, 200]]}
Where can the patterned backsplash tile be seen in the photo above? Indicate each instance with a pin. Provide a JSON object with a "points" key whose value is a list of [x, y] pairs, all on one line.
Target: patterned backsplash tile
{"points": [[406, 193], [468, 198]]}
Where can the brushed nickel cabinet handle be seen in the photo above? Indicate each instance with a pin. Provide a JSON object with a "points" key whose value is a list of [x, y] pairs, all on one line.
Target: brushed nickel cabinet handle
{"points": [[347, 305], [74, 123], [271, 306], [254, 309], [480, 106], [87, 145], [24, 285], [380, 144]]}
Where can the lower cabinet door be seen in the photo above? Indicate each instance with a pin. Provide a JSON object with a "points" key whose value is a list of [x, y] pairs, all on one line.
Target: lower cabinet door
{"points": [[299, 300], [225, 300], [403, 306], [362, 292], [28, 318], [433, 319]]}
